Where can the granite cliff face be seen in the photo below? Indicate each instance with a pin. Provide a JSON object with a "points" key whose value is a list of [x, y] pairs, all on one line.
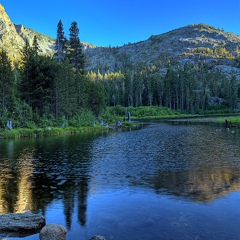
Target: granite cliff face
{"points": [[190, 44], [12, 37]]}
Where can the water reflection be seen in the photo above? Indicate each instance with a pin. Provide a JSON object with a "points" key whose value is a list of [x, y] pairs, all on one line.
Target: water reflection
{"points": [[64, 166], [198, 185], [24, 184], [71, 174], [15, 180], [198, 162]]}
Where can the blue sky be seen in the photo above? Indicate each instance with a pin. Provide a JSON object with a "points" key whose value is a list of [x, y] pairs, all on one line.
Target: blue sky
{"points": [[118, 22]]}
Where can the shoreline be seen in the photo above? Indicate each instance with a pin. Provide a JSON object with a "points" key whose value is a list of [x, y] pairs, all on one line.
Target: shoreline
{"points": [[19, 133]]}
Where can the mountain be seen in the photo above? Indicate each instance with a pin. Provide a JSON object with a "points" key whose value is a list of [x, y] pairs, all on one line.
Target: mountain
{"points": [[189, 44], [12, 37]]}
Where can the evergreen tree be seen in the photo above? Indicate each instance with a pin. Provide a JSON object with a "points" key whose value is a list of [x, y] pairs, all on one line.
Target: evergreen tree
{"points": [[75, 52], [61, 42], [6, 82], [35, 44], [26, 84], [37, 78], [96, 98], [233, 92], [65, 92]]}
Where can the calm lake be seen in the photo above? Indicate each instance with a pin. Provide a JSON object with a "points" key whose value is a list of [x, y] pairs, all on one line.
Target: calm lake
{"points": [[159, 181]]}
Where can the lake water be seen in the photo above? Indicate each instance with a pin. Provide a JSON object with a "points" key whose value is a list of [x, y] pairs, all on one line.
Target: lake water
{"points": [[160, 181]]}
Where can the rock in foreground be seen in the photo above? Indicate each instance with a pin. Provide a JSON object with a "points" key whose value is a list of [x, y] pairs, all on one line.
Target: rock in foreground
{"points": [[53, 232], [21, 222]]}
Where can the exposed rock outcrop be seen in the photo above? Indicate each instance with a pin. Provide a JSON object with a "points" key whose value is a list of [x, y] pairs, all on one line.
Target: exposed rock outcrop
{"points": [[12, 37]]}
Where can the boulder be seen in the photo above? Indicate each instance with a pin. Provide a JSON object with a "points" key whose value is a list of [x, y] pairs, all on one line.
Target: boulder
{"points": [[53, 232], [21, 222]]}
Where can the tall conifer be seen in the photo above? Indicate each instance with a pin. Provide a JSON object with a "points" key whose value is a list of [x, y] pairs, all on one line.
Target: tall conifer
{"points": [[75, 52], [6, 81], [35, 44], [60, 44]]}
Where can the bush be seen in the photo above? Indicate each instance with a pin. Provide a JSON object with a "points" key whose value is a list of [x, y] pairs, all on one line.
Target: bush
{"points": [[108, 116], [82, 118]]}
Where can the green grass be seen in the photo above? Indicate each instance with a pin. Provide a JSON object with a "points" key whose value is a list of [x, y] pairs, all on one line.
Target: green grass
{"points": [[231, 120], [42, 132], [113, 114]]}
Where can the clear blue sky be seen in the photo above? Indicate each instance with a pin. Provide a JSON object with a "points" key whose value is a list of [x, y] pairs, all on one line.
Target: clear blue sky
{"points": [[116, 22]]}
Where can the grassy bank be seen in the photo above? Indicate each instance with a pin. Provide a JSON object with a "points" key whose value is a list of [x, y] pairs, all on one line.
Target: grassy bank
{"points": [[151, 112], [54, 131], [119, 112], [234, 120], [110, 116], [49, 131]]}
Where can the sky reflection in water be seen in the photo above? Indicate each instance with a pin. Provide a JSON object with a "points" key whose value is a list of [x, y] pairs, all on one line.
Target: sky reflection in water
{"points": [[160, 182]]}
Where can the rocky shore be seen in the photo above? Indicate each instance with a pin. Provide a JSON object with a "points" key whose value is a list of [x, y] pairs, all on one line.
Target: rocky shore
{"points": [[25, 224]]}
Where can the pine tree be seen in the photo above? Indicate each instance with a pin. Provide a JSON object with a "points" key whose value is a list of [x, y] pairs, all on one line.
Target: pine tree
{"points": [[60, 44], [6, 81], [26, 85], [35, 44], [75, 52], [37, 77], [65, 92]]}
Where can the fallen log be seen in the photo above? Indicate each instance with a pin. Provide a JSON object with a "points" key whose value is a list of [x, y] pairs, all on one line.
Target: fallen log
{"points": [[26, 222]]}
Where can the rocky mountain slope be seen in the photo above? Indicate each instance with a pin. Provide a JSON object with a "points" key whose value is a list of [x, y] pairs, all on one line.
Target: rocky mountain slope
{"points": [[12, 37], [191, 44]]}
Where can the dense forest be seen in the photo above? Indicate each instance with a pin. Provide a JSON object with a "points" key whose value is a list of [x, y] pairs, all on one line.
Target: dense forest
{"points": [[190, 88], [43, 90], [49, 90]]}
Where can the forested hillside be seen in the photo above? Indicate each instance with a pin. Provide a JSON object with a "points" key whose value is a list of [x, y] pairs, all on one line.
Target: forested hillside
{"points": [[43, 90], [195, 69]]}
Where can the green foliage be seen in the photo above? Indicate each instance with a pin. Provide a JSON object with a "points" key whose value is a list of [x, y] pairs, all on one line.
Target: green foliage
{"points": [[46, 121], [189, 88], [204, 26], [4, 117], [139, 112], [75, 53], [60, 43], [204, 50], [108, 116], [7, 93], [153, 111], [82, 118]]}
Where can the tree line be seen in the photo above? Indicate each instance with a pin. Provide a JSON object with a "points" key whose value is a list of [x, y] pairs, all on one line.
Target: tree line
{"points": [[191, 88]]}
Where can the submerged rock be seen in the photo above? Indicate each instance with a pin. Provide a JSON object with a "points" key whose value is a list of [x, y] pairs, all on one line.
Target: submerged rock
{"points": [[98, 237], [21, 222], [53, 232]]}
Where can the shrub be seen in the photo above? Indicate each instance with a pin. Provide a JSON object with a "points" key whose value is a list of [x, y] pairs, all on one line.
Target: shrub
{"points": [[82, 118]]}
